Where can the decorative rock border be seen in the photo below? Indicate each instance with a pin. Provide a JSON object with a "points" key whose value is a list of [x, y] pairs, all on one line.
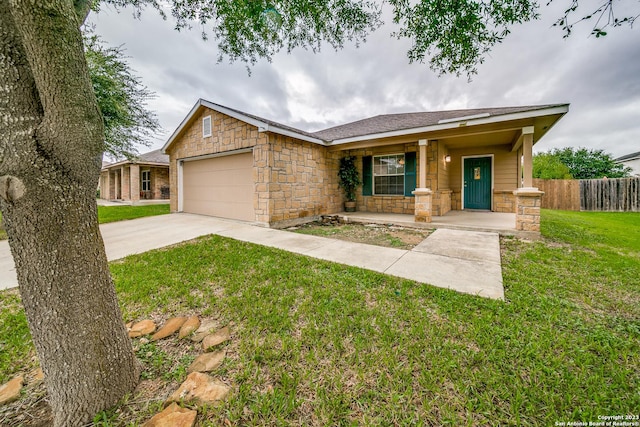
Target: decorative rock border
{"points": [[199, 388]]}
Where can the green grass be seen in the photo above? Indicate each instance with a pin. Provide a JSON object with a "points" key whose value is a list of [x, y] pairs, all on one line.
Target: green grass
{"points": [[120, 213], [317, 343]]}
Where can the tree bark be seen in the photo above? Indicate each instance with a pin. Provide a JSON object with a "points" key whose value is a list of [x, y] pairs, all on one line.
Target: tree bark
{"points": [[51, 142]]}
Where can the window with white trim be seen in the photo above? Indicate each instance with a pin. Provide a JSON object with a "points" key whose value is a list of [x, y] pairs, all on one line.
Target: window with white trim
{"points": [[206, 127], [146, 180], [388, 174]]}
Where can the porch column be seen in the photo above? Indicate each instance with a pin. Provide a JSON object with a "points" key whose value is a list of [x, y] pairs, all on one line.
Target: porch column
{"points": [[134, 179], [528, 201], [107, 187], [422, 181], [423, 196], [527, 154], [423, 204]]}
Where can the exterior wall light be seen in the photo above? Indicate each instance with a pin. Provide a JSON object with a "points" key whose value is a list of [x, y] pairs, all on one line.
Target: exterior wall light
{"points": [[447, 158]]}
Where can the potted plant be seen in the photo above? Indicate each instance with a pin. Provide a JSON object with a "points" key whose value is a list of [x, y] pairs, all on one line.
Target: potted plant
{"points": [[349, 181]]}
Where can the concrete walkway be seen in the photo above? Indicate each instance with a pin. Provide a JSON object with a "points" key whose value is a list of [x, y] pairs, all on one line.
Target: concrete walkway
{"points": [[464, 261]]}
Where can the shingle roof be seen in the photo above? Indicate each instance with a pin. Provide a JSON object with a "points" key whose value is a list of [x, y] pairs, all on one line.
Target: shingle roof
{"points": [[395, 122], [629, 157], [361, 128], [155, 156]]}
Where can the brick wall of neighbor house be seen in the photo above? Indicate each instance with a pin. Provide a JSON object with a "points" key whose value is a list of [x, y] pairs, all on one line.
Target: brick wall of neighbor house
{"points": [[126, 183], [228, 134], [159, 179], [303, 183], [112, 184], [104, 187], [505, 176]]}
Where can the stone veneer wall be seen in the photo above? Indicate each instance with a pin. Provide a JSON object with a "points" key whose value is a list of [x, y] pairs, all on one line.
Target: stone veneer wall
{"points": [[304, 181], [504, 201], [441, 202], [294, 180], [228, 134]]}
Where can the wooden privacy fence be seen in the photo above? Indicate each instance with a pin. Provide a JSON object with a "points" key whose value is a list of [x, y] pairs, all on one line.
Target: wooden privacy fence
{"points": [[613, 194], [563, 194]]}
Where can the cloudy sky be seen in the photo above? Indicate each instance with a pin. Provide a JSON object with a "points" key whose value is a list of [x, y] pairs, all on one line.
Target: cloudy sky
{"points": [[600, 78]]}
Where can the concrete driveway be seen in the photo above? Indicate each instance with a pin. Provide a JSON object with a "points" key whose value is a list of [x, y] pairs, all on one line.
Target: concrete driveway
{"points": [[465, 261]]}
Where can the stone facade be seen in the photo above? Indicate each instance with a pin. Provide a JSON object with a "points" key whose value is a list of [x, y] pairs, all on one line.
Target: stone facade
{"points": [[423, 205], [504, 201], [441, 202], [228, 135], [528, 202], [303, 182], [295, 181]]}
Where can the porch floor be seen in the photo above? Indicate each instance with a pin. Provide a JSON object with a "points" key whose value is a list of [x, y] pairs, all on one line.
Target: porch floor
{"points": [[503, 223]]}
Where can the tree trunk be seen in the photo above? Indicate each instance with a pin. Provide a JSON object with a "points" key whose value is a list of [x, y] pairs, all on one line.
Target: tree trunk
{"points": [[51, 142]]}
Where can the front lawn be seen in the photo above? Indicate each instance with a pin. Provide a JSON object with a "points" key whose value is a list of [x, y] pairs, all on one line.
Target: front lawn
{"points": [[316, 343], [120, 213]]}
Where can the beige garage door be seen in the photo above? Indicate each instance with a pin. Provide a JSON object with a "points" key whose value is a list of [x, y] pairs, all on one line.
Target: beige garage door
{"points": [[221, 186]]}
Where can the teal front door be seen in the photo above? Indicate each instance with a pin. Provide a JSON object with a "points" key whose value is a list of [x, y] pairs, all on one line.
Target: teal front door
{"points": [[477, 183]]}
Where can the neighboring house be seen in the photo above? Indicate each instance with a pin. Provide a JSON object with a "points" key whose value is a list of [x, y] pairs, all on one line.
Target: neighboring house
{"points": [[145, 177], [631, 161], [232, 164]]}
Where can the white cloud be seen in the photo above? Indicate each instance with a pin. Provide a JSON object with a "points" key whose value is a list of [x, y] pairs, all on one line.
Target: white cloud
{"points": [[535, 65]]}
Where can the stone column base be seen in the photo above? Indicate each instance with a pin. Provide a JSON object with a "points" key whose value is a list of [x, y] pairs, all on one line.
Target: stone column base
{"points": [[423, 204], [528, 202]]}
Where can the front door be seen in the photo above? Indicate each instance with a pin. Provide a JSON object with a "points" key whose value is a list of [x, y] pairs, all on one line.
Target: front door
{"points": [[477, 183]]}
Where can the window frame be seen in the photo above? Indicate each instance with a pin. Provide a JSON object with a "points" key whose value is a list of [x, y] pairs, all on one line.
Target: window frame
{"points": [[143, 180], [374, 175], [207, 132]]}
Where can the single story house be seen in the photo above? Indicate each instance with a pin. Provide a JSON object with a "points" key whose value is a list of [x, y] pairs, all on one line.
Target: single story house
{"points": [[145, 177], [631, 161], [231, 164]]}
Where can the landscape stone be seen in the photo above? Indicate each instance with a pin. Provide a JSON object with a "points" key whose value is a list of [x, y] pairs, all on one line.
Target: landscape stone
{"points": [[171, 326], [216, 338], [201, 389], [11, 391], [173, 416], [36, 376], [192, 324], [204, 330], [207, 362], [144, 327]]}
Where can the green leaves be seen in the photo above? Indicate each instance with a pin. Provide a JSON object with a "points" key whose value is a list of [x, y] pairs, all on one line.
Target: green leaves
{"points": [[456, 34], [590, 164], [121, 97], [453, 36]]}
